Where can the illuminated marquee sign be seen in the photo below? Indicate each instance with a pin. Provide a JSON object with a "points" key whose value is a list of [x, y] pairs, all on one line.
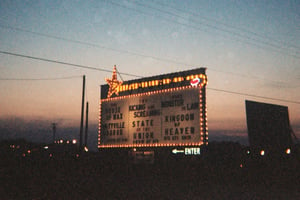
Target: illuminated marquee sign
{"points": [[165, 110]]}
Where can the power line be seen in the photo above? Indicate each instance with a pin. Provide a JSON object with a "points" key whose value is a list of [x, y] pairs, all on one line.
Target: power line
{"points": [[258, 43], [39, 79], [129, 52], [98, 69], [62, 63], [232, 73], [215, 27], [176, 15], [95, 45], [247, 31], [252, 95]]}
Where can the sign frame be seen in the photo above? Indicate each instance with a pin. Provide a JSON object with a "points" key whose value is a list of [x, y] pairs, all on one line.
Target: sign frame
{"points": [[155, 86]]}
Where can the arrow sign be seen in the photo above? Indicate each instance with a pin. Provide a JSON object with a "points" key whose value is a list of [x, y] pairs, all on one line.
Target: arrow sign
{"points": [[175, 151]]}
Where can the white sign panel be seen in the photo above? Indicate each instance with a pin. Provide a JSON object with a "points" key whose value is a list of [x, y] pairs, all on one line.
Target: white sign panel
{"points": [[148, 120]]}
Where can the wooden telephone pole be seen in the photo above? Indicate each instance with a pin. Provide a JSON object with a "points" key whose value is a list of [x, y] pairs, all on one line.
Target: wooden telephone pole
{"points": [[86, 124], [82, 113]]}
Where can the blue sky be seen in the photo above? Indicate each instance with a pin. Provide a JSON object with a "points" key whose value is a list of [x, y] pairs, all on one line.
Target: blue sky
{"points": [[249, 47]]}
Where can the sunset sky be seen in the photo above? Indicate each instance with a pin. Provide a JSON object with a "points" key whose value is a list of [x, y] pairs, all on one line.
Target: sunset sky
{"points": [[248, 47]]}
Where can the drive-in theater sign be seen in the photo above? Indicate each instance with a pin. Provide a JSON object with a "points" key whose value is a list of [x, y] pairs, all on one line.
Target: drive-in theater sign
{"points": [[159, 111]]}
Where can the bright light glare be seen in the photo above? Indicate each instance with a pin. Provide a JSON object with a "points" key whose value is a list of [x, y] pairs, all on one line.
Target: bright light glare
{"points": [[74, 141], [262, 152], [288, 151]]}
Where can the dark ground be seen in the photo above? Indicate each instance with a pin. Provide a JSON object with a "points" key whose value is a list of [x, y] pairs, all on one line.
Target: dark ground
{"points": [[218, 175]]}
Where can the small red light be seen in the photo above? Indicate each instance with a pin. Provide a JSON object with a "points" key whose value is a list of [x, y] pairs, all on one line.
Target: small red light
{"points": [[195, 82]]}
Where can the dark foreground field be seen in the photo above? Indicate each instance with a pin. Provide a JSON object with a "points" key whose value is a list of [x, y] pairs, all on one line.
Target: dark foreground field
{"points": [[95, 176]]}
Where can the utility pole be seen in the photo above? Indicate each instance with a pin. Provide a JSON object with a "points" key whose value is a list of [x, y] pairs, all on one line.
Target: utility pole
{"points": [[82, 113], [54, 131], [86, 123]]}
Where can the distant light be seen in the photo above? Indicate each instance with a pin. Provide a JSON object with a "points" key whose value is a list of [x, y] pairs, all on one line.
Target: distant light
{"points": [[288, 151], [68, 141], [262, 152], [28, 151], [248, 152], [50, 155], [74, 141], [46, 147], [77, 155], [86, 149], [61, 141], [134, 149], [241, 165]]}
